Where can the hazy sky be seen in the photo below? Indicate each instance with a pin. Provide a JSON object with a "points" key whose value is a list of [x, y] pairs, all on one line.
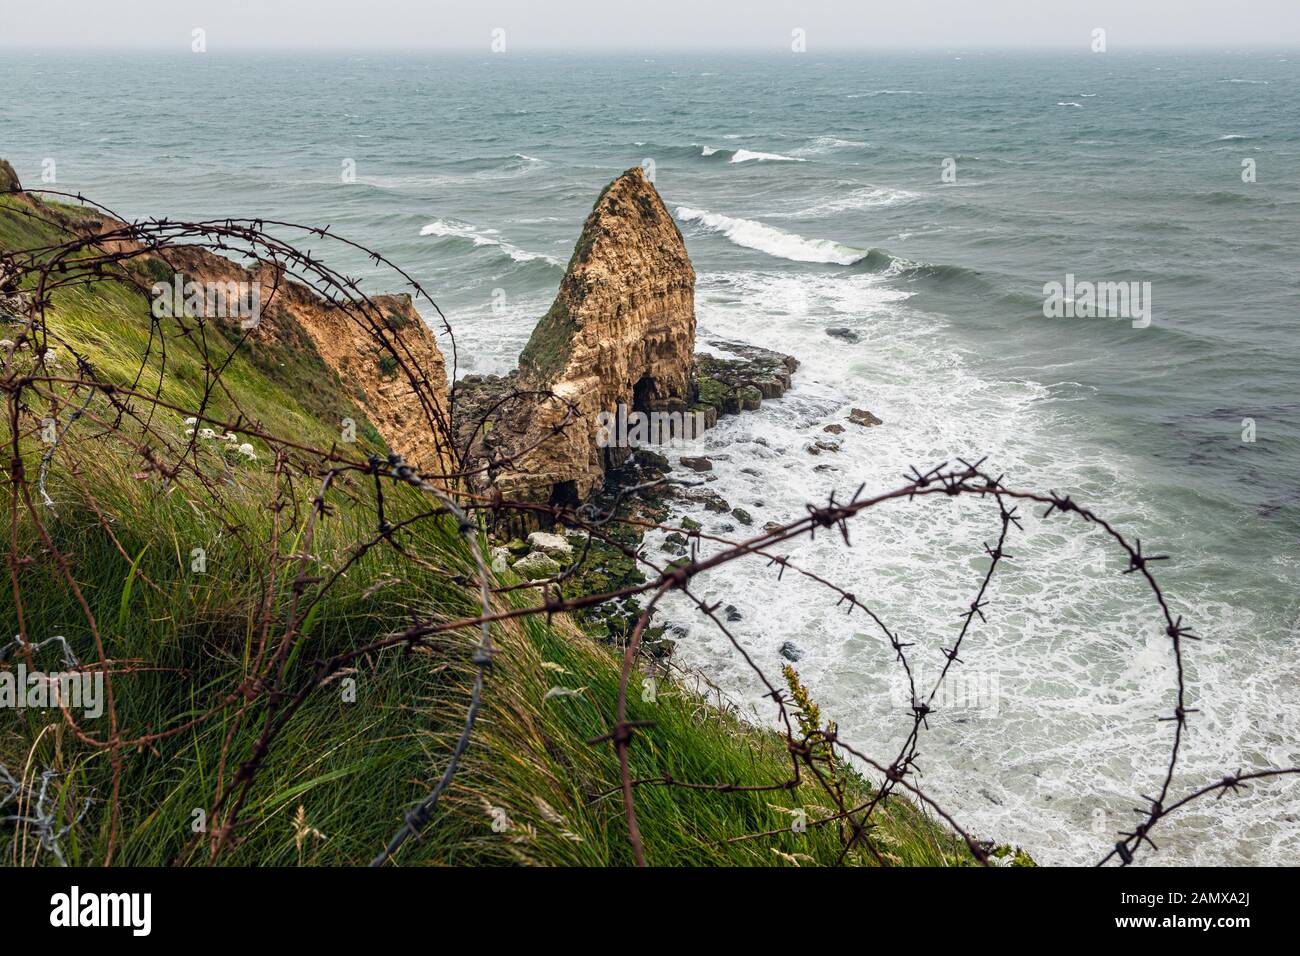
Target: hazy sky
{"points": [[613, 24]]}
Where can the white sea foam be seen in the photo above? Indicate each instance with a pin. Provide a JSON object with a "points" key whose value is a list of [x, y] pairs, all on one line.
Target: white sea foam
{"points": [[773, 241], [864, 197], [827, 144], [1073, 648], [482, 237], [751, 156]]}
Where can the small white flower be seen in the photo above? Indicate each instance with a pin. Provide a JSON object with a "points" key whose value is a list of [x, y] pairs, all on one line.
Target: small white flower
{"points": [[191, 421], [232, 437], [247, 449], [189, 432], [207, 433]]}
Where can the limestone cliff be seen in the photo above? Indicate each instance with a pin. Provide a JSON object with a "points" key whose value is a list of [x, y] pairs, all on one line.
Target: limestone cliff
{"points": [[402, 389], [620, 333]]}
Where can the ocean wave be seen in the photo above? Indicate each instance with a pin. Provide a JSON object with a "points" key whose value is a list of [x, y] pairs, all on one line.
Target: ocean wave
{"points": [[444, 228], [1079, 105], [1224, 197], [1231, 137], [864, 197], [750, 155], [870, 93], [827, 144], [753, 156], [775, 242]]}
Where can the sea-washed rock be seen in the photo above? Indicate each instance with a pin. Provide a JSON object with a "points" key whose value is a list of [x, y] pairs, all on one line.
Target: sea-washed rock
{"points": [[732, 615], [847, 335], [729, 385], [652, 461], [834, 429], [741, 515], [860, 416], [711, 500], [791, 652], [697, 464]]}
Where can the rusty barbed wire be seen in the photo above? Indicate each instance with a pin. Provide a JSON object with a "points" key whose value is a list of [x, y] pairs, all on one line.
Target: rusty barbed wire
{"points": [[98, 247]]}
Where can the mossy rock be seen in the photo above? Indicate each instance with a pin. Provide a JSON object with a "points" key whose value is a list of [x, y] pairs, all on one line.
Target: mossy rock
{"points": [[8, 178], [549, 345]]}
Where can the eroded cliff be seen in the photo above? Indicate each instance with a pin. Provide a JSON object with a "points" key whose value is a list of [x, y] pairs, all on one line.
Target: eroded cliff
{"points": [[619, 336], [380, 348]]}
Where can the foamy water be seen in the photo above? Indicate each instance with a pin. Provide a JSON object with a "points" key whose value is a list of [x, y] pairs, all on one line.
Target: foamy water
{"points": [[1050, 733]]}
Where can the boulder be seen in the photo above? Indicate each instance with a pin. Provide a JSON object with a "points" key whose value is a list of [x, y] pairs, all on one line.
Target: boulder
{"points": [[551, 545], [537, 565], [860, 416]]}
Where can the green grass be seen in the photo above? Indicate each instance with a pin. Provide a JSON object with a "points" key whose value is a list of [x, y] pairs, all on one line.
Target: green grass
{"points": [[337, 780]]}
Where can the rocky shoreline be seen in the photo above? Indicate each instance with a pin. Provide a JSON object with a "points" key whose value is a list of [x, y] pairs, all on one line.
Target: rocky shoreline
{"points": [[719, 387]]}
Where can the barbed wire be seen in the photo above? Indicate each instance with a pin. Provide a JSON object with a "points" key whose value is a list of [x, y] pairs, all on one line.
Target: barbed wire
{"points": [[95, 246]]}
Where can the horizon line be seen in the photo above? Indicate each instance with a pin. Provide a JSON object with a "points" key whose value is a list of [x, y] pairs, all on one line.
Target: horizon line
{"points": [[181, 47]]}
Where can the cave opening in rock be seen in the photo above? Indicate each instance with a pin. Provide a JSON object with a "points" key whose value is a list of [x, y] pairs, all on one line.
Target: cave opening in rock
{"points": [[564, 494], [642, 394]]}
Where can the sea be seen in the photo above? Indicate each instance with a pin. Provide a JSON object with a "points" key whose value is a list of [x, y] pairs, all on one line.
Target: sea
{"points": [[922, 205]]}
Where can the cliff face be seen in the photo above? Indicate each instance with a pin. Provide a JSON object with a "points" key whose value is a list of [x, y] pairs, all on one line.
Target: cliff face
{"points": [[620, 333], [378, 377], [296, 317]]}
